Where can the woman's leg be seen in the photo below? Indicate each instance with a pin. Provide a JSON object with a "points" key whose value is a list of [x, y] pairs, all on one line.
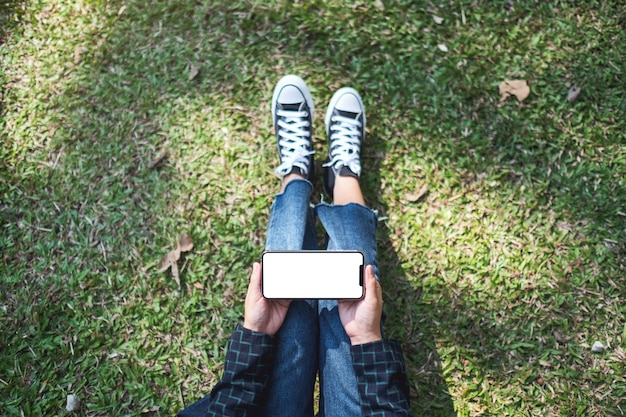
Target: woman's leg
{"points": [[292, 219], [290, 388], [349, 226], [292, 227]]}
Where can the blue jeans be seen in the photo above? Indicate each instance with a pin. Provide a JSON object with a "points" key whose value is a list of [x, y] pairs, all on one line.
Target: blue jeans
{"points": [[312, 337]]}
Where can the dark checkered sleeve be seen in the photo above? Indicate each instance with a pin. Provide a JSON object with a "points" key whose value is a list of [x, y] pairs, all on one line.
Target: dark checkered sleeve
{"points": [[246, 371], [381, 374]]}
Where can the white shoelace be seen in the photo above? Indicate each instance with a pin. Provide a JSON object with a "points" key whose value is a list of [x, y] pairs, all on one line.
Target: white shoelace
{"points": [[346, 144], [293, 141]]}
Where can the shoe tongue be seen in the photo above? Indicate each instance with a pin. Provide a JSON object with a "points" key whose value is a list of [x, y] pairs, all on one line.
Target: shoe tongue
{"points": [[347, 172], [347, 114], [291, 106], [299, 171]]}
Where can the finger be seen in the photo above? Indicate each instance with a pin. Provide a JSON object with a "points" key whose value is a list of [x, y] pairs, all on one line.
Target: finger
{"points": [[375, 289], [370, 283], [379, 288]]}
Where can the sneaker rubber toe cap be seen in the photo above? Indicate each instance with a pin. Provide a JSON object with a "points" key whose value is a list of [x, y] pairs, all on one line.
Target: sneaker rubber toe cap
{"points": [[348, 102], [290, 94]]}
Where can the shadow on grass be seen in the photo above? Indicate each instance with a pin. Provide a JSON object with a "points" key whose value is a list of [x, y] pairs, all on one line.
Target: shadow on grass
{"points": [[409, 320], [10, 11], [9, 16]]}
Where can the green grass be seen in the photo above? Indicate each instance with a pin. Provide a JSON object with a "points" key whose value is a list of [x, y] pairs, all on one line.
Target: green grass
{"points": [[520, 237]]}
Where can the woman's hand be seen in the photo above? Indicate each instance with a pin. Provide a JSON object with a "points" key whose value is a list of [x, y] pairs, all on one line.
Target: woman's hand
{"points": [[262, 315], [361, 318]]}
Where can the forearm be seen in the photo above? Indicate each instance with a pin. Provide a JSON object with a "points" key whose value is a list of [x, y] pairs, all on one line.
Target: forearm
{"points": [[246, 372], [382, 379]]}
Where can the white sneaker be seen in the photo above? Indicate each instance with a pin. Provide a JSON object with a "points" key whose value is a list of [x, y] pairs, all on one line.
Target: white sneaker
{"points": [[292, 114], [345, 128]]}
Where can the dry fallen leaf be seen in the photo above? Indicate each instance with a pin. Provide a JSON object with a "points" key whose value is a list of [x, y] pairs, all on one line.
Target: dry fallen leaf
{"points": [[558, 336], [415, 197], [158, 159], [573, 93], [438, 20], [620, 354], [517, 88], [379, 5], [175, 274], [442, 47], [169, 259], [185, 244], [193, 72], [78, 52]]}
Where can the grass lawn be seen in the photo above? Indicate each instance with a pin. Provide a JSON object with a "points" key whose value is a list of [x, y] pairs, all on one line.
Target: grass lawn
{"points": [[503, 223]]}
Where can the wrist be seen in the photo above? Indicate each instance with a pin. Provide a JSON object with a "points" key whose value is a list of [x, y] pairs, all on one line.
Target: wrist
{"points": [[365, 338], [255, 327], [251, 326]]}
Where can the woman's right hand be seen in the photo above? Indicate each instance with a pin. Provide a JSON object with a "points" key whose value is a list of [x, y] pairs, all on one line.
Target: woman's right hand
{"points": [[361, 318]]}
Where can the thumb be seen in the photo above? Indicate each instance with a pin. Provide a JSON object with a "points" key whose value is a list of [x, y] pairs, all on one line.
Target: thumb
{"points": [[373, 291], [254, 288]]}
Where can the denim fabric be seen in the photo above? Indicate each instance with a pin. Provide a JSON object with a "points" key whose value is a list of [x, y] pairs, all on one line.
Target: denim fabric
{"points": [[292, 219], [316, 329], [290, 389]]}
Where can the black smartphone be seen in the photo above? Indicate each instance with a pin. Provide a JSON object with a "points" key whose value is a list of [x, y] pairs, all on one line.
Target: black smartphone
{"points": [[332, 275]]}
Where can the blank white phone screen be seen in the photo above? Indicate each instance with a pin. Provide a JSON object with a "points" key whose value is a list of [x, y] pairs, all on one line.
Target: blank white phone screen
{"points": [[312, 275]]}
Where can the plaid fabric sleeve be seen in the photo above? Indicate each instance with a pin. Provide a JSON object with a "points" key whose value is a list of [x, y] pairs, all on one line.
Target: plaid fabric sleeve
{"points": [[246, 371], [381, 375]]}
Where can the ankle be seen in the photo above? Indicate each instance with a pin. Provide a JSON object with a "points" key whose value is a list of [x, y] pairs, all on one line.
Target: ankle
{"points": [[290, 177], [347, 190]]}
